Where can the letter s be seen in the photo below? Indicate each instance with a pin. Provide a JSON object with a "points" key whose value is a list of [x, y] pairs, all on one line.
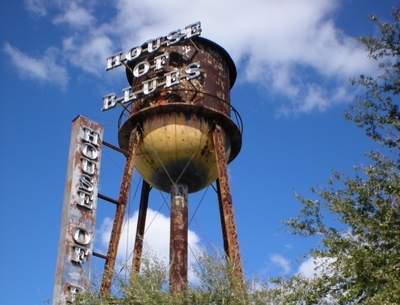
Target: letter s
{"points": [[192, 70]]}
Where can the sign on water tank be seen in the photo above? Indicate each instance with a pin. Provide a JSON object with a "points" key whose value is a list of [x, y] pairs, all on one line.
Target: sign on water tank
{"points": [[143, 67]]}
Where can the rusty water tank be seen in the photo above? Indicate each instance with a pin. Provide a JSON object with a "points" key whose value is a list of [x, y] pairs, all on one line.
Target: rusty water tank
{"points": [[177, 111]]}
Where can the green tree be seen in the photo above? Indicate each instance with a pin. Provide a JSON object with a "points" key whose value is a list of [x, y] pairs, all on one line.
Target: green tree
{"points": [[149, 287], [377, 110], [215, 284], [359, 255]]}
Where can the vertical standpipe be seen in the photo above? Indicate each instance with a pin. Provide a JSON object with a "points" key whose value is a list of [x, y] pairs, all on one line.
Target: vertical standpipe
{"points": [[178, 245]]}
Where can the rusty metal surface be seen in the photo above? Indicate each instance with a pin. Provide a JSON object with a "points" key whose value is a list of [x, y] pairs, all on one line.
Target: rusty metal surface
{"points": [[177, 148], [119, 214], [234, 130], [124, 152], [141, 224], [79, 211], [230, 237], [202, 100], [178, 245], [211, 89], [155, 171]]}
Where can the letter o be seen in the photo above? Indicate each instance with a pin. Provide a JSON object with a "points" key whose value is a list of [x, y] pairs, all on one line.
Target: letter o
{"points": [[89, 151], [141, 69], [133, 53], [81, 236]]}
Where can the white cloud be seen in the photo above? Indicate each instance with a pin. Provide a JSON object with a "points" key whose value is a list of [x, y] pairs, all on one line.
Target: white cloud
{"points": [[307, 268], [88, 55], [75, 16], [313, 267], [292, 49], [36, 6], [156, 237], [282, 262], [44, 69]]}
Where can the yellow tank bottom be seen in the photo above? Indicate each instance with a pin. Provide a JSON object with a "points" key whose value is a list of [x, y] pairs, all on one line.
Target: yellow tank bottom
{"points": [[178, 148]]}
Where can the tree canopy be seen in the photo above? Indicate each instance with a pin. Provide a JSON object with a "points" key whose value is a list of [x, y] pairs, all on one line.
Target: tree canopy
{"points": [[377, 110], [359, 255]]}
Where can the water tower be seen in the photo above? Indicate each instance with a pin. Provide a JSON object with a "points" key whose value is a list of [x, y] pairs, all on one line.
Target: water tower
{"points": [[177, 129]]}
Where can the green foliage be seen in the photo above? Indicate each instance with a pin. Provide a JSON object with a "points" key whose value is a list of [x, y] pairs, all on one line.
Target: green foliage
{"points": [[361, 249], [215, 284], [376, 110], [359, 255], [149, 287]]}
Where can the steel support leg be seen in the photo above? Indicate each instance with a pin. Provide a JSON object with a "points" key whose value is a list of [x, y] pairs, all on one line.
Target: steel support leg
{"points": [[119, 213], [229, 232], [141, 224]]}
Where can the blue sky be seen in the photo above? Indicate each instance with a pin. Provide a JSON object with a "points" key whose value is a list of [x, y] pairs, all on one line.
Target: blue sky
{"points": [[294, 59]]}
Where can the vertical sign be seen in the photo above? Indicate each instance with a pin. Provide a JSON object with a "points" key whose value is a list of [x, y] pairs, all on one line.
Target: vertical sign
{"points": [[79, 211]]}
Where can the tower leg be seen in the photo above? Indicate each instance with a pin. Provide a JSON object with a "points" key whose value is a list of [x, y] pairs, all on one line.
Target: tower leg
{"points": [[119, 213], [229, 232], [141, 224], [178, 253]]}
